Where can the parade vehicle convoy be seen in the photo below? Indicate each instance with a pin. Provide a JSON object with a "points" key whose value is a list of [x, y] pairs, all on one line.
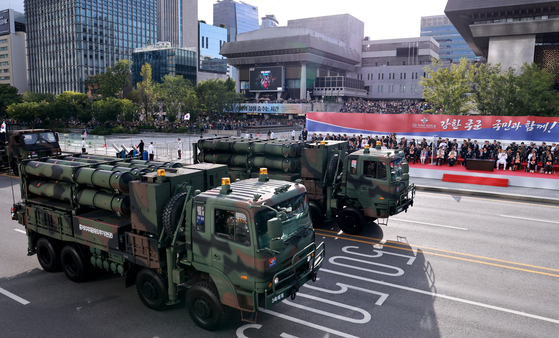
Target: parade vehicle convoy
{"points": [[358, 187], [243, 245], [17, 145]]}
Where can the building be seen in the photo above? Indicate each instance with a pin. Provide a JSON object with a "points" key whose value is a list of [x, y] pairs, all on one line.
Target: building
{"points": [[269, 21], [391, 69], [452, 46], [177, 22], [211, 65], [69, 40], [165, 59], [289, 62], [237, 17], [510, 32], [13, 66]]}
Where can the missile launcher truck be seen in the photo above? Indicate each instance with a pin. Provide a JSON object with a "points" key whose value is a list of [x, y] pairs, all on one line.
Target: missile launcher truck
{"points": [[17, 145], [243, 245], [362, 186]]}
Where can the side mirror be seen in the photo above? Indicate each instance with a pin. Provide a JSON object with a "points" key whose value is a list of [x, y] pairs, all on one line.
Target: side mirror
{"points": [[405, 167], [405, 177], [275, 231]]}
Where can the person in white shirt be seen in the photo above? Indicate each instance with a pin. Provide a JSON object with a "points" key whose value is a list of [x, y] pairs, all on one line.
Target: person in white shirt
{"points": [[293, 134], [179, 148], [151, 151], [83, 145], [502, 159], [272, 135]]}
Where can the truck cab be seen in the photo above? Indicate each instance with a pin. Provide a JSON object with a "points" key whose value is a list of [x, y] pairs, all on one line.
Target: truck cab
{"points": [[29, 144]]}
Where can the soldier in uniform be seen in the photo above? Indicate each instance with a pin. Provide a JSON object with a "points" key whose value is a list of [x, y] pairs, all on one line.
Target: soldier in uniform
{"points": [[304, 134]]}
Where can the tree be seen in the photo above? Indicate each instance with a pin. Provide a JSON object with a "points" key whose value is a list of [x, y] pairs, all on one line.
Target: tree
{"points": [[493, 91], [234, 102], [24, 111], [129, 111], [213, 95], [112, 81], [8, 96], [108, 109], [447, 87], [146, 91], [535, 92], [70, 104], [177, 96], [37, 97]]}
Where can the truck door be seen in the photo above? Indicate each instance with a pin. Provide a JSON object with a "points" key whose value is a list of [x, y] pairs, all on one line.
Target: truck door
{"points": [[372, 182], [232, 249]]}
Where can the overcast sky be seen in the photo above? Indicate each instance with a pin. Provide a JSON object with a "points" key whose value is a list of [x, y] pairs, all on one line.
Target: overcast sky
{"points": [[384, 19]]}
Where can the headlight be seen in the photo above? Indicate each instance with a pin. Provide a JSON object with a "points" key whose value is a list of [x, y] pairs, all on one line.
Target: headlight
{"points": [[276, 280], [309, 258]]}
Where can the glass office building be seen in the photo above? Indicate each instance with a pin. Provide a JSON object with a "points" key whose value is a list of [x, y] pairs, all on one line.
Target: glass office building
{"points": [[452, 46], [69, 40], [165, 60], [237, 17], [211, 40]]}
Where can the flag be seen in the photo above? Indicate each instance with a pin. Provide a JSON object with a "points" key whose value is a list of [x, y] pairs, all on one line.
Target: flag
{"points": [[3, 129], [187, 116]]}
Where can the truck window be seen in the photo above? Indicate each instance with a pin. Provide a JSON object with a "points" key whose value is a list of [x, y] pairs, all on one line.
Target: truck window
{"points": [[232, 226], [200, 222], [370, 168], [353, 167], [48, 137], [30, 138], [381, 171], [396, 170]]}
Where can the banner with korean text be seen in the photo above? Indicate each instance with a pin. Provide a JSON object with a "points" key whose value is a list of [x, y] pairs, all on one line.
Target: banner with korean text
{"points": [[275, 108], [527, 128]]}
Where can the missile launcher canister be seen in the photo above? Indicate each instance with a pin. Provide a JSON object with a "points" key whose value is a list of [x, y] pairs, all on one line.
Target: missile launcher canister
{"points": [[243, 245], [360, 187]]}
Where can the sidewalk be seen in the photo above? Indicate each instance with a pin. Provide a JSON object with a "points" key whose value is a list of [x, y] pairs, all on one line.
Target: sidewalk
{"points": [[511, 193]]}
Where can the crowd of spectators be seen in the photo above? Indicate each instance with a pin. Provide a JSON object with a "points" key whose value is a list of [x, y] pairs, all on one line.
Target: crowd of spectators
{"points": [[386, 107]]}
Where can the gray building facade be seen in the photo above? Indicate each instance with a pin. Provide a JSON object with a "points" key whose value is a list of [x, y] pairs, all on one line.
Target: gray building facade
{"points": [[211, 65], [452, 46], [13, 65], [165, 60], [69, 40], [177, 22], [238, 17], [510, 32]]}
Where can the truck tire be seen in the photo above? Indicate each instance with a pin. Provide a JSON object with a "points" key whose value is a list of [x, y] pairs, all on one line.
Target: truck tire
{"points": [[317, 214], [74, 263], [152, 289], [331, 168], [351, 220], [172, 214], [48, 255], [204, 306]]}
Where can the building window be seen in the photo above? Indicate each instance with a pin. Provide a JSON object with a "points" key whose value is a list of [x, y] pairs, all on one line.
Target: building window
{"points": [[4, 78], [4, 48], [5, 63], [3, 41], [3, 56], [203, 42], [4, 70], [404, 76]]}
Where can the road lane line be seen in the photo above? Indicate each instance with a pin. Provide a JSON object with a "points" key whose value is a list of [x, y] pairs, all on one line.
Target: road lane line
{"points": [[358, 240], [14, 297], [438, 295], [306, 323], [22, 231], [493, 199], [431, 224], [530, 219]]}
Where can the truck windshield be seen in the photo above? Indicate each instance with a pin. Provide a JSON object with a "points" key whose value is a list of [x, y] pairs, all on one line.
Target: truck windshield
{"points": [[46, 137], [297, 210], [396, 170]]}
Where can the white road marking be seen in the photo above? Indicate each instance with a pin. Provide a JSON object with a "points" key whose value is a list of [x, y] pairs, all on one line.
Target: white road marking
{"points": [[433, 294], [241, 331], [366, 315], [530, 219], [22, 231], [431, 224], [285, 335], [306, 323], [345, 287], [14, 297], [411, 259], [397, 270]]}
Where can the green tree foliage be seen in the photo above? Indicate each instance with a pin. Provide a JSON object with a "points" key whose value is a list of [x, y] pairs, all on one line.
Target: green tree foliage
{"points": [[178, 96], [70, 104], [535, 94], [129, 111], [106, 110], [146, 92], [112, 81], [494, 92], [447, 87], [215, 95], [30, 111], [37, 97], [8, 96]]}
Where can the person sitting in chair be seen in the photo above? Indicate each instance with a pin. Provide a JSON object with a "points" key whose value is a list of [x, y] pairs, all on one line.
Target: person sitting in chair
{"points": [[502, 159]]}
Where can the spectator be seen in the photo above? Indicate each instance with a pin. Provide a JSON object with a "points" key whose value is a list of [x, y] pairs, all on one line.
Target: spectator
{"points": [[83, 146], [502, 159], [151, 151], [440, 156], [452, 157], [424, 154], [517, 161], [548, 162], [141, 148], [179, 148]]}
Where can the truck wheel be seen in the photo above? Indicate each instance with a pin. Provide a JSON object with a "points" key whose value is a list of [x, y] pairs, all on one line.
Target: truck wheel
{"points": [[351, 220], [48, 255], [331, 168], [317, 214], [74, 263], [172, 214], [152, 289], [204, 306]]}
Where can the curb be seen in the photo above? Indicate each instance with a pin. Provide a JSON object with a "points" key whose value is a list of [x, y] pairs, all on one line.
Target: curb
{"points": [[468, 192]]}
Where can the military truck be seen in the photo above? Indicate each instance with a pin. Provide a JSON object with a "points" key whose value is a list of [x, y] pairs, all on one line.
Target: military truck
{"points": [[360, 187], [17, 145], [241, 245]]}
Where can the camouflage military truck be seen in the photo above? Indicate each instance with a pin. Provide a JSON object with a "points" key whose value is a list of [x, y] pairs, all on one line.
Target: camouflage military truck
{"points": [[17, 145], [361, 187], [243, 245]]}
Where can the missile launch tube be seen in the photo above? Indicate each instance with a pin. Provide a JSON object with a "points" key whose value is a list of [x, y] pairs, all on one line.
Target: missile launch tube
{"points": [[113, 180], [81, 160], [57, 191], [160, 164]]}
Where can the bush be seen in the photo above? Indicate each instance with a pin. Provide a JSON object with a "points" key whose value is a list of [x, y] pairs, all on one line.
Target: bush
{"points": [[100, 131]]}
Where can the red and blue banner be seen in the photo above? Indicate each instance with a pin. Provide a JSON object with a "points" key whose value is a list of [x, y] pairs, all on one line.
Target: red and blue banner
{"points": [[525, 128]]}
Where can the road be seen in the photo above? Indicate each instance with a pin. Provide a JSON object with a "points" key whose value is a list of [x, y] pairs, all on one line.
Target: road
{"points": [[451, 267]]}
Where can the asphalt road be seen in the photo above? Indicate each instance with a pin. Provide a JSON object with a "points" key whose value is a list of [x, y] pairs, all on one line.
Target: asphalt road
{"points": [[451, 267]]}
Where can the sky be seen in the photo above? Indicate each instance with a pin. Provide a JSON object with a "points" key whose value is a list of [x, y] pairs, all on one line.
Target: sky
{"points": [[384, 19]]}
